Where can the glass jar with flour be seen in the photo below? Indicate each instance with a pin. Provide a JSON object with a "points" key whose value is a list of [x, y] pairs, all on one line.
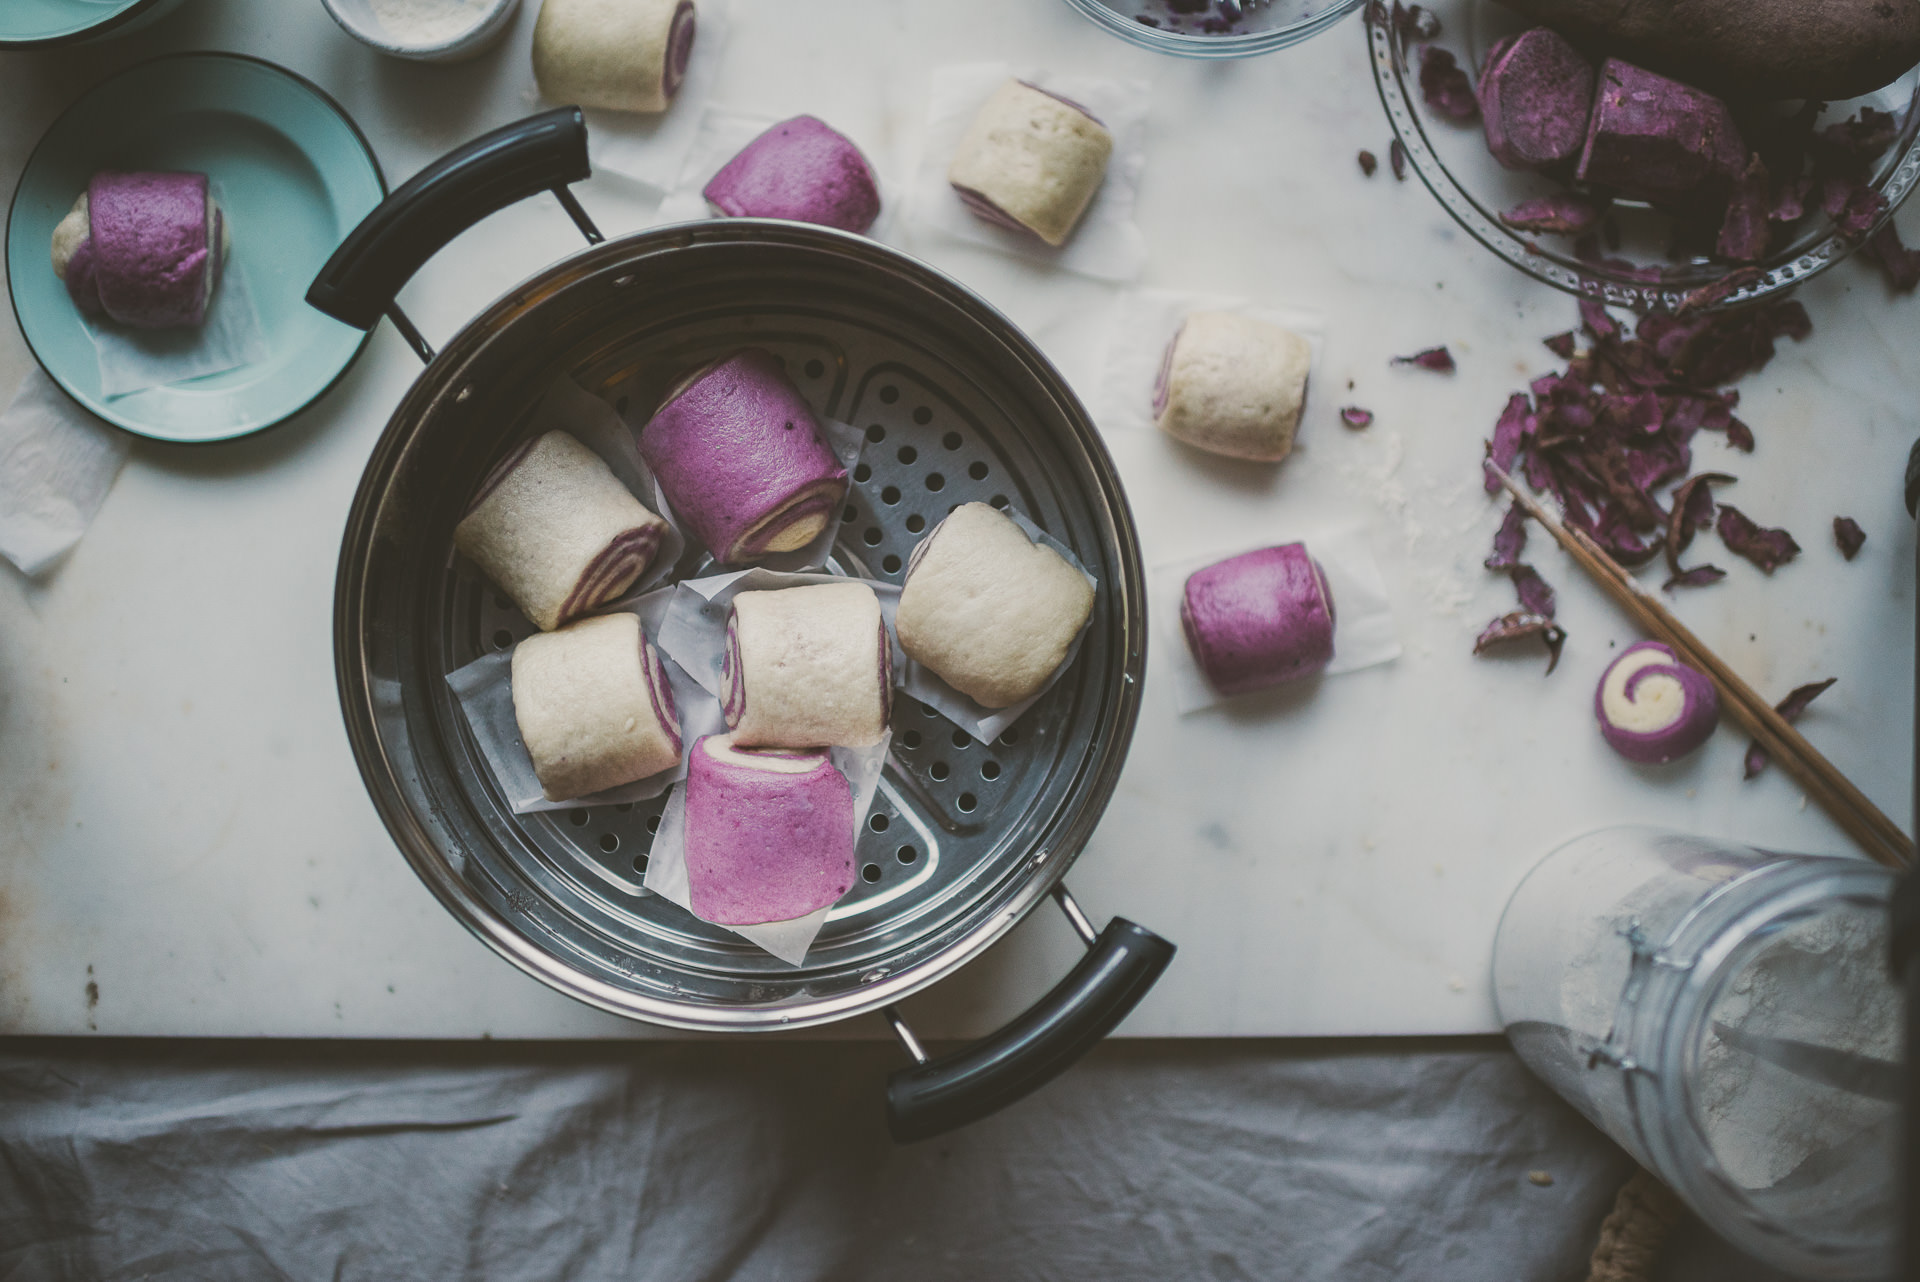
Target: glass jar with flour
{"points": [[1727, 1015]]}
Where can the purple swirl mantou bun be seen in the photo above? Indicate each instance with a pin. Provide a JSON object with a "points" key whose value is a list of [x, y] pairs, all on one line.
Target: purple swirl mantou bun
{"points": [[593, 707], [1652, 708], [802, 170], [147, 252], [807, 667], [743, 460], [618, 55], [557, 531], [769, 833], [1259, 619], [1031, 160]]}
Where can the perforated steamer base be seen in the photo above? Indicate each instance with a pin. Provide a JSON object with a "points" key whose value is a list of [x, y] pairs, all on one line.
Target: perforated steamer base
{"points": [[956, 407]]}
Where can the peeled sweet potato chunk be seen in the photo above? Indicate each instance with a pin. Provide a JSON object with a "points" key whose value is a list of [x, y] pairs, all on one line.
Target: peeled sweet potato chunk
{"points": [[1655, 137], [1536, 93]]}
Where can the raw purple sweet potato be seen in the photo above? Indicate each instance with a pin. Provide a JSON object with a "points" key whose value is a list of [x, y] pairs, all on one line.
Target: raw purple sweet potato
{"points": [[1536, 94], [1900, 265], [1657, 138], [1830, 50]]}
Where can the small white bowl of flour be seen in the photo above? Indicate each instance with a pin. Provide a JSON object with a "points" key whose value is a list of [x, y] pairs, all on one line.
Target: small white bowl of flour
{"points": [[425, 30]]}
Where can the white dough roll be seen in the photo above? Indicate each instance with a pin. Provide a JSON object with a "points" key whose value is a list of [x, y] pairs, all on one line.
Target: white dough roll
{"points": [[594, 707], [807, 667], [558, 531], [1233, 385], [989, 610], [620, 55], [1032, 160]]}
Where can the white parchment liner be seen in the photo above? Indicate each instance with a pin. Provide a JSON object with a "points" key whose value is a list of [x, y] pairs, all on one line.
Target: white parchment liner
{"points": [[1106, 244], [485, 691], [1363, 631]]}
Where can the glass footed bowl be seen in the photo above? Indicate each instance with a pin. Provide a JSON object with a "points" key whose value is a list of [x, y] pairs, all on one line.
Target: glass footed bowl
{"points": [[1206, 29], [1452, 159]]}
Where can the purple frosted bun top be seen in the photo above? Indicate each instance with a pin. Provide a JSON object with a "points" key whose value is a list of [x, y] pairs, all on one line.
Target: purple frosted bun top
{"points": [[151, 249], [1259, 619], [741, 456], [803, 170], [679, 49], [769, 833]]}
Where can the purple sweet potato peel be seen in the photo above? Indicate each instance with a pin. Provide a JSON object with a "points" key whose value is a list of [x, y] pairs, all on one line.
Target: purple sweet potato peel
{"points": [[1607, 436], [1790, 707]]}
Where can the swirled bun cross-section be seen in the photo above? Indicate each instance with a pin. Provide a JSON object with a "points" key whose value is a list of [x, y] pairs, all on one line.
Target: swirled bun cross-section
{"points": [[1031, 160], [618, 55], [557, 531], [1652, 708], [594, 707], [989, 610]]}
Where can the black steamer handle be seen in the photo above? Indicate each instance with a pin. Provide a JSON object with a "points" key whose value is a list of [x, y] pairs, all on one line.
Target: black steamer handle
{"points": [[937, 1095], [541, 153]]}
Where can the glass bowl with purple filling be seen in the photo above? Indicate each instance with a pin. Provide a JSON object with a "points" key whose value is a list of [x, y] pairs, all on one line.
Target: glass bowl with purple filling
{"points": [[1611, 181], [1215, 28]]}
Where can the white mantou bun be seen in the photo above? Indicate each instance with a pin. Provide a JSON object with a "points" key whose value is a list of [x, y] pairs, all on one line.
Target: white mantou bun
{"points": [[614, 54], [989, 610], [594, 707], [1031, 159], [807, 667], [1234, 386], [558, 531]]}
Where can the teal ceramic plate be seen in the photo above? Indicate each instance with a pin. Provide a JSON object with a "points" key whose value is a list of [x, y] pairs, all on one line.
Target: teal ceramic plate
{"points": [[294, 175], [27, 24]]}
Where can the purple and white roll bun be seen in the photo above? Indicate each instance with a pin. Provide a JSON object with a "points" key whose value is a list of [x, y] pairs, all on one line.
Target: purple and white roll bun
{"points": [[1233, 385], [769, 833], [742, 459], [1259, 619], [989, 610], [620, 55], [594, 707], [807, 667], [1653, 708], [801, 169], [1031, 161], [557, 531], [142, 249]]}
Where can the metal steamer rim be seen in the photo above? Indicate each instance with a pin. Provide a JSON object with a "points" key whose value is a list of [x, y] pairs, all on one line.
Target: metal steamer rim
{"points": [[956, 406]]}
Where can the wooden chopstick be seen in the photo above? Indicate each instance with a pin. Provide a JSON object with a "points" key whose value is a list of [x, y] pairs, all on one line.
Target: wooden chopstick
{"points": [[1875, 833]]}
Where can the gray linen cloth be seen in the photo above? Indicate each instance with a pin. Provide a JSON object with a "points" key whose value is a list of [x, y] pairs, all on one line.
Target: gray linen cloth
{"points": [[1218, 1161]]}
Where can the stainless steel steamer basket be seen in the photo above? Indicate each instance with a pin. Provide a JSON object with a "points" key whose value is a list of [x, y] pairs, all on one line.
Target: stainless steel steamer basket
{"points": [[957, 405]]}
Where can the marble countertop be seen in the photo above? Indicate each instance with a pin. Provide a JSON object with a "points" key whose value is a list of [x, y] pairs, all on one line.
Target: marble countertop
{"points": [[185, 845]]}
